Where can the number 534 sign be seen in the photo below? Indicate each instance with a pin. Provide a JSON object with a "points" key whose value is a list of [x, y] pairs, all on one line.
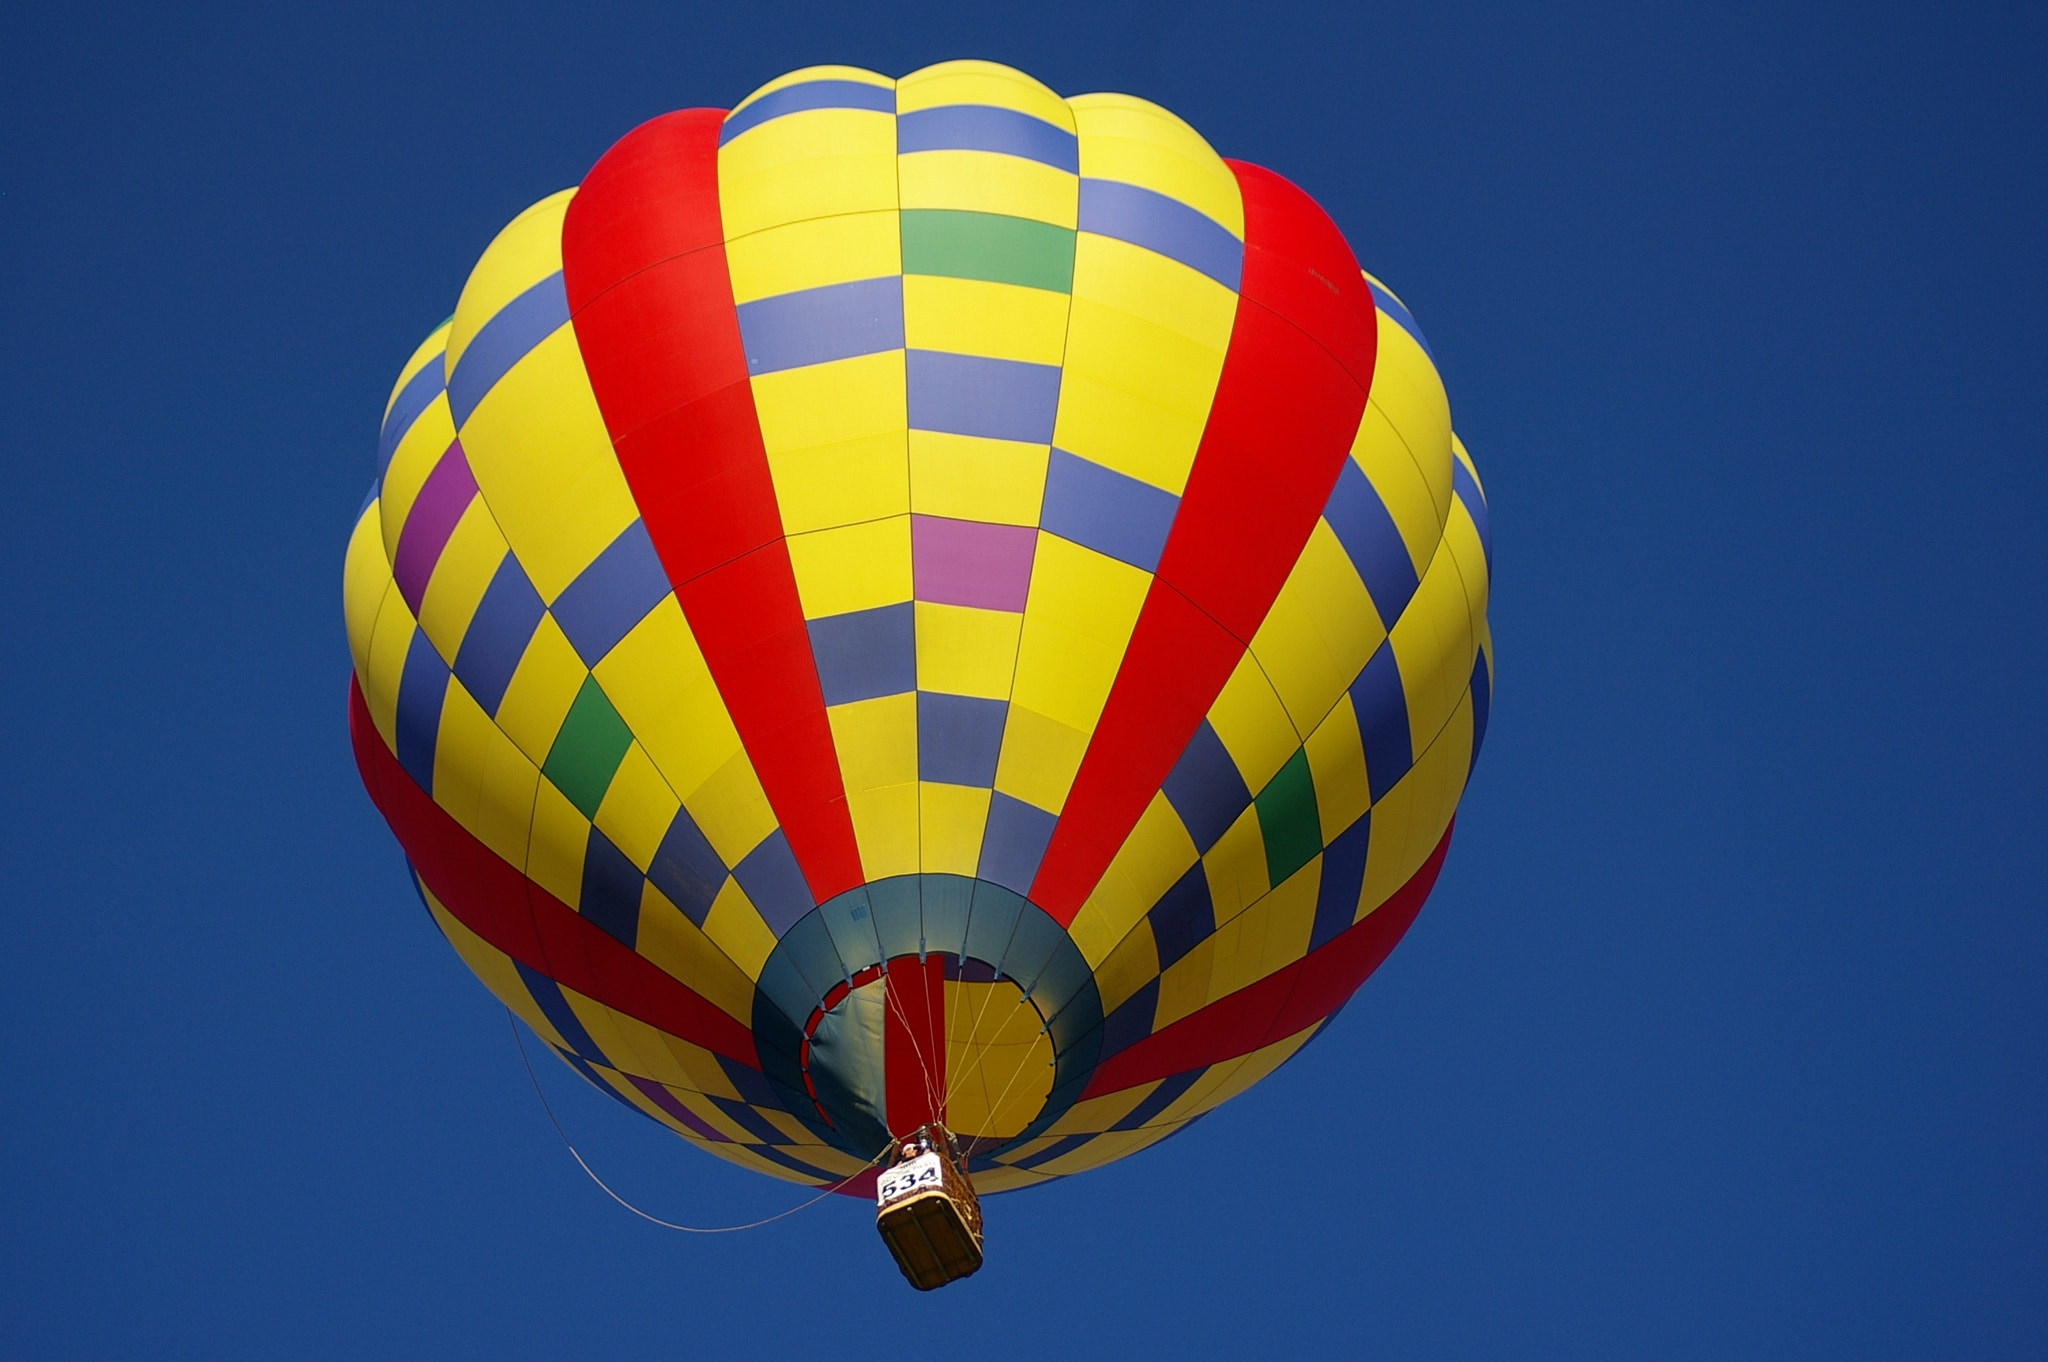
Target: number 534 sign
{"points": [[912, 1175]]}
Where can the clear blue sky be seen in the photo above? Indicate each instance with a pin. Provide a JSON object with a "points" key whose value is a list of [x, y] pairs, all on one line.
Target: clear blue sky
{"points": [[1726, 1031]]}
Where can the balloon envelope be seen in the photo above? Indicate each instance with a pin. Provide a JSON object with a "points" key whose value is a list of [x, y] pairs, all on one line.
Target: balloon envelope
{"points": [[921, 599]]}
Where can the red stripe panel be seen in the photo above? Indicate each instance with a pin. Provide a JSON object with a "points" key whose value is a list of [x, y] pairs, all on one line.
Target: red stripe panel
{"points": [[643, 262], [914, 1043], [1177, 662], [1278, 1005], [643, 201], [1285, 412], [488, 895], [1303, 269]]}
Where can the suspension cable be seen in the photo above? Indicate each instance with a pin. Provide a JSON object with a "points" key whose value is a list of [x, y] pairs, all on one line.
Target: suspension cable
{"points": [[665, 1224]]}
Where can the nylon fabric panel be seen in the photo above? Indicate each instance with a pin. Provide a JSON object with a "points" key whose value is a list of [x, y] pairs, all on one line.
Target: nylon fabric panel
{"points": [[914, 1042], [691, 449], [1277, 1004], [495, 901], [1242, 523]]}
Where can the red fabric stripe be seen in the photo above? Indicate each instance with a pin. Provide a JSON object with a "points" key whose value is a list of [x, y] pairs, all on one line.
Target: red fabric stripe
{"points": [[492, 898], [1287, 406], [914, 1043], [643, 263], [1282, 1003]]}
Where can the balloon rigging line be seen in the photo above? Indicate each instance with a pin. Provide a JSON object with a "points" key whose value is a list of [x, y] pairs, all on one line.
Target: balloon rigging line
{"points": [[534, 1079]]}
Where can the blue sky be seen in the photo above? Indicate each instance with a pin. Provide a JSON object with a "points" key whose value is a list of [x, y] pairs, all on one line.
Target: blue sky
{"points": [[1726, 1030]]}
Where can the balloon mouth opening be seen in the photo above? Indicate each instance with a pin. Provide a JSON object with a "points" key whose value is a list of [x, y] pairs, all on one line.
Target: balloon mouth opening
{"points": [[985, 1064], [922, 998]]}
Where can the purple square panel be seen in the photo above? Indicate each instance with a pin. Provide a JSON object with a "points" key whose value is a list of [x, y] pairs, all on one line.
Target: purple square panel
{"points": [[965, 562]]}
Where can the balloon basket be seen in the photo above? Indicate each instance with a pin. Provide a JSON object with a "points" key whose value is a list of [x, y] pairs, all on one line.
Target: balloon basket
{"points": [[927, 1212]]}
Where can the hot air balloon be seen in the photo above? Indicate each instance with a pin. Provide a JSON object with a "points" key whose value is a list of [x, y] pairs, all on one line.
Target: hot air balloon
{"points": [[921, 605]]}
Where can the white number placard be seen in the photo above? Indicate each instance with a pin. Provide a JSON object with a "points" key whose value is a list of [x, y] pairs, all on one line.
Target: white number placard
{"points": [[912, 1175]]}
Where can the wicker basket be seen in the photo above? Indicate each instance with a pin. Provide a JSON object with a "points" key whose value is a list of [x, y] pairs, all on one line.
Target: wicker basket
{"points": [[928, 1214]]}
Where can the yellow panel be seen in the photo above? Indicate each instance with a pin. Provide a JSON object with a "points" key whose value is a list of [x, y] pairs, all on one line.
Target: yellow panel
{"points": [[1321, 630], [951, 820], [645, 1054], [1387, 463], [658, 681], [1005, 1179], [1129, 967], [706, 1077], [1090, 1116], [365, 576], [1129, 139], [1144, 353], [1039, 758], [822, 404], [735, 927], [1157, 290], [1106, 1148], [429, 350], [999, 1067], [1111, 426], [885, 829], [543, 687], [731, 809], [554, 858], [543, 459], [1226, 1080], [1468, 555], [744, 1157], [1155, 855], [1336, 762], [617, 1082], [787, 1124], [965, 651], [504, 816], [460, 576], [1253, 724], [425, 442], [491, 966], [809, 164], [680, 949], [980, 82], [675, 1124], [876, 741], [1184, 985], [1145, 398], [638, 808], [1409, 821], [970, 478], [1236, 866], [1269, 935], [1433, 644], [1077, 623], [854, 567], [813, 253], [390, 639], [984, 182], [804, 75], [975, 317], [1464, 456], [461, 746], [526, 252], [1407, 389], [865, 478]]}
